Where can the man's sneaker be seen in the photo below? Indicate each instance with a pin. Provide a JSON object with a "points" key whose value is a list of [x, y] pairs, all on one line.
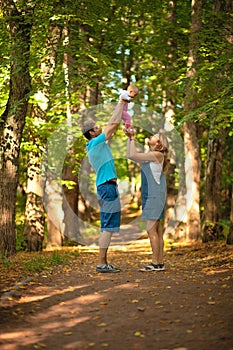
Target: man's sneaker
{"points": [[107, 268]]}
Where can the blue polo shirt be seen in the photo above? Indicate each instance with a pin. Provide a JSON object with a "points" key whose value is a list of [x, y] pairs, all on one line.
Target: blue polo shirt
{"points": [[100, 158]]}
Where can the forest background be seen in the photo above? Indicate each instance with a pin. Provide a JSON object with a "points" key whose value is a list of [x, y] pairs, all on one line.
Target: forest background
{"points": [[64, 61]]}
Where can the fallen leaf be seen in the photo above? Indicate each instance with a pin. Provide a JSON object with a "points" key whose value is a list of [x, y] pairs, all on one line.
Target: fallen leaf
{"points": [[73, 312], [91, 344], [139, 334], [189, 331], [141, 308], [39, 346], [97, 317]]}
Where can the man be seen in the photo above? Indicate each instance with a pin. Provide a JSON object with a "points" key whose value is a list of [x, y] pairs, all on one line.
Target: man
{"points": [[100, 158]]}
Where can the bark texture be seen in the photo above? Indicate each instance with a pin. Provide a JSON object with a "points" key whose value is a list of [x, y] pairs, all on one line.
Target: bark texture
{"points": [[13, 120]]}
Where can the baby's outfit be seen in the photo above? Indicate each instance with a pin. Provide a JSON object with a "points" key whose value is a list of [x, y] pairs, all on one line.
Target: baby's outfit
{"points": [[125, 115], [125, 96]]}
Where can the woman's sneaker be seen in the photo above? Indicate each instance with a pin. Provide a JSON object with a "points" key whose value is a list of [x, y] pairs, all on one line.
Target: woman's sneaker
{"points": [[161, 267], [107, 268], [153, 267]]}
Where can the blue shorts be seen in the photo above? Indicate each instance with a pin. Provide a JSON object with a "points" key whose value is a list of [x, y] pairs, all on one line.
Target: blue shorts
{"points": [[110, 207]]}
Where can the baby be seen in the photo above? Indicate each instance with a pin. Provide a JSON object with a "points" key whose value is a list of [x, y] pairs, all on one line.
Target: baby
{"points": [[127, 95]]}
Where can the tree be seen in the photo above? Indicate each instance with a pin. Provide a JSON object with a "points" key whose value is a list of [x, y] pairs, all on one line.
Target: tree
{"points": [[190, 129], [218, 25], [230, 233], [34, 212], [211, 228], [19, 22], [100, 47]]}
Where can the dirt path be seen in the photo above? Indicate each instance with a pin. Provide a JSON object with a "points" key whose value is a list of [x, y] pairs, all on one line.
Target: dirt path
{"points": [[188, 306]]}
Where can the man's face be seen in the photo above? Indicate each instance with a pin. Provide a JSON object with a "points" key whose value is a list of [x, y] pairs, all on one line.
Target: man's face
{"points": [[96, 131]]}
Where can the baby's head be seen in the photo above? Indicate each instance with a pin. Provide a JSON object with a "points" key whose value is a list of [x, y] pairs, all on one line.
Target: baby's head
{"points": [[132, 90]]}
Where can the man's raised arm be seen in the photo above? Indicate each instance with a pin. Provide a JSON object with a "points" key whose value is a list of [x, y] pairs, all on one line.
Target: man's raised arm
{"points": [[115, 119]]}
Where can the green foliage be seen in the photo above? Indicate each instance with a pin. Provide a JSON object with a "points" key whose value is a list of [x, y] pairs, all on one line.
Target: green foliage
{"points": [[4, 64], [38, 262]]}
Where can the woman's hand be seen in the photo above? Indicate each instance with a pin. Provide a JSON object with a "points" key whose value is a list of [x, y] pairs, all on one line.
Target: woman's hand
{"points": [[129, 132]]}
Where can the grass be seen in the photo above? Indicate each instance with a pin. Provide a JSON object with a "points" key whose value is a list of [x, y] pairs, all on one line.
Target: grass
{"points": [[36, 262]]}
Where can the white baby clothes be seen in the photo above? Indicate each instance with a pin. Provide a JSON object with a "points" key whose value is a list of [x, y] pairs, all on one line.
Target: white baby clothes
{"points": [[125, 95]]}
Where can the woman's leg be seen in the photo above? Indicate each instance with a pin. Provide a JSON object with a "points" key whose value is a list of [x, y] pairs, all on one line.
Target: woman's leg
{"points": [[155, 232], [161, 241], [151, 227]]}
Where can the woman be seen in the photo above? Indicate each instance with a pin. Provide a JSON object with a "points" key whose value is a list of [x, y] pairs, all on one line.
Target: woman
{"points": [[153, 165]]}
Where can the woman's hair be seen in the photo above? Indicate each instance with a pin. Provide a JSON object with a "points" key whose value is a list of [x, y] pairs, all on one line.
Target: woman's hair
{"points": [[163, 146]]}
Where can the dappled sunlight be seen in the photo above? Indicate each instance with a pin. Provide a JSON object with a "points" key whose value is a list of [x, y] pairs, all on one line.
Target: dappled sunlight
{"points": [[126, 286], [29, 299], [77, 308], [40, 333], [213, 272], [15, 335], [64, 315], [63, 324]]}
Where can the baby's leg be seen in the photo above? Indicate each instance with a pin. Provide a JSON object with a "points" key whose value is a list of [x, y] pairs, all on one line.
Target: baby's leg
{"points": [[126, 118]]}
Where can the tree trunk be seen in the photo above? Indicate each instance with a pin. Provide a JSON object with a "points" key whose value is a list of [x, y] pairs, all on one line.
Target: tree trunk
{"points": [[177, 224], [212, 229], [192, 179], [230, 234], [175, 210], [54, 237], [34, 213], [52, 198], [34, 223], [212, 202], [190, 129], [70, 204], [13, 120]]}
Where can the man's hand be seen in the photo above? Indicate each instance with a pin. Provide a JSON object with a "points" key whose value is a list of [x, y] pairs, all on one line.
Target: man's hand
{"points": [[125, 96]]}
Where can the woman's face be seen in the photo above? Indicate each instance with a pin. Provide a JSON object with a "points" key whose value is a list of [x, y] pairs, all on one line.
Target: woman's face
{"points": [[153, 140]]}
